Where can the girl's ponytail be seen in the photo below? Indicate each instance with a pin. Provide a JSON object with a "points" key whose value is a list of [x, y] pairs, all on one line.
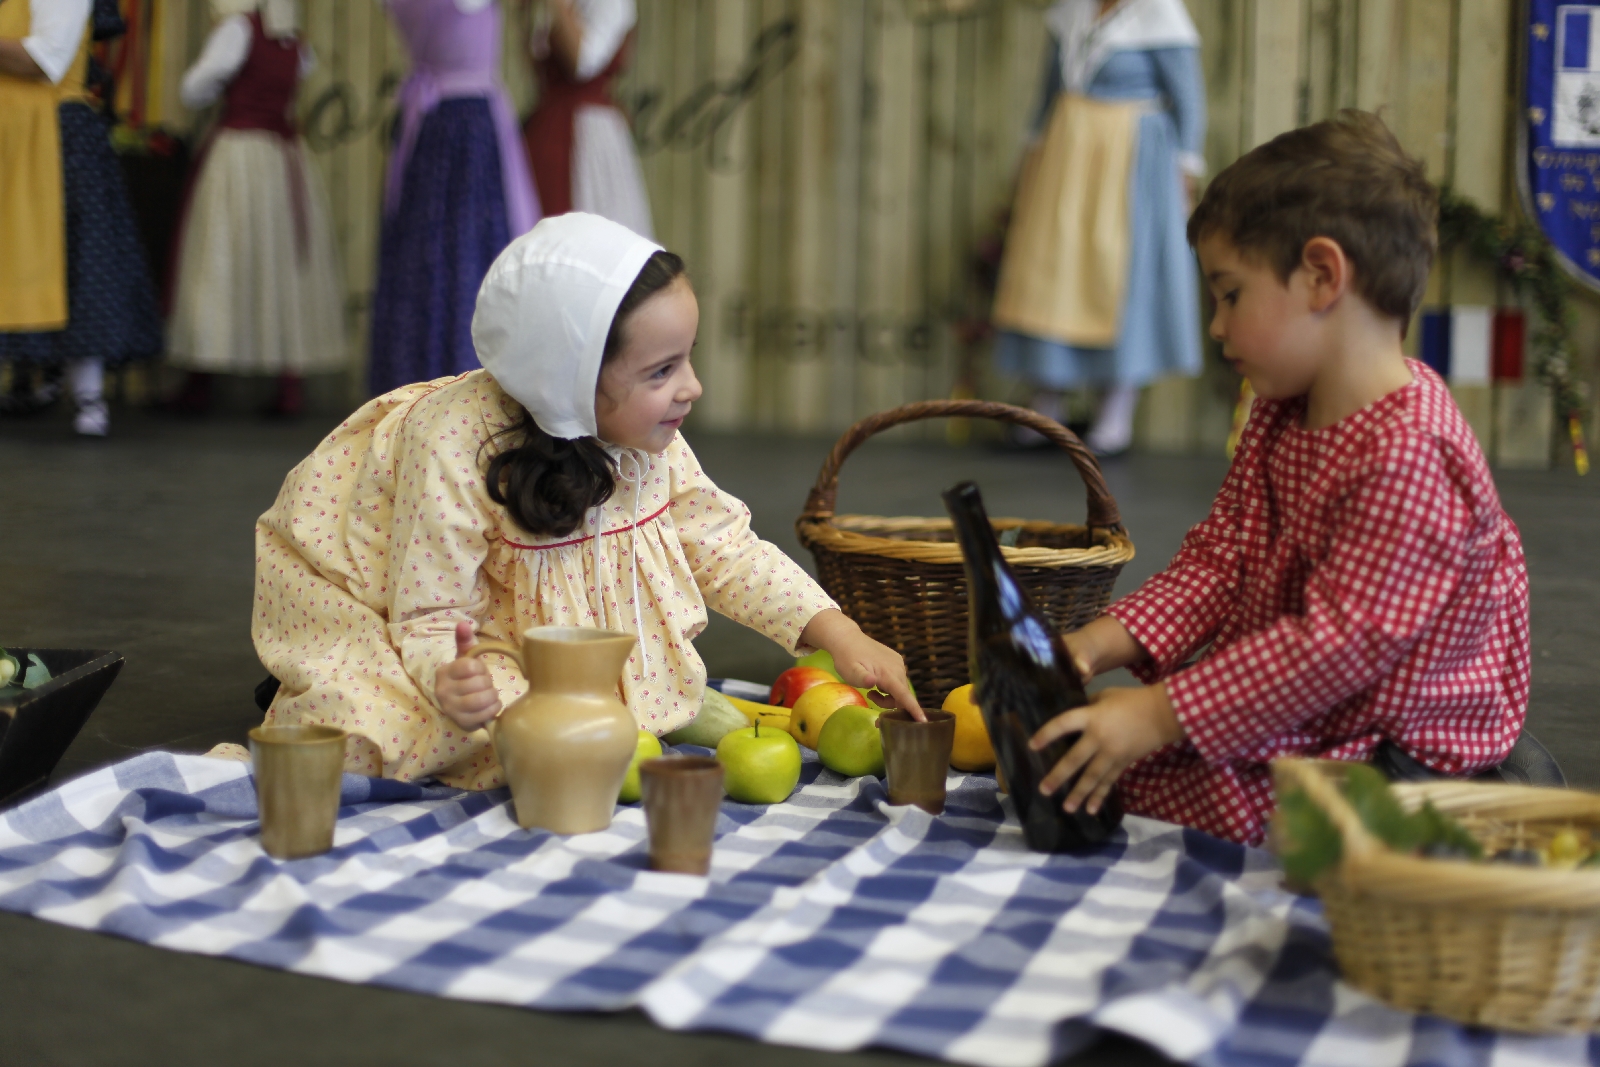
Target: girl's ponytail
{"points": [[547, 484]]}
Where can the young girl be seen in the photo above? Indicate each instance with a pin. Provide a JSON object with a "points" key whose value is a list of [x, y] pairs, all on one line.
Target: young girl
{"points": [[552, 487]]}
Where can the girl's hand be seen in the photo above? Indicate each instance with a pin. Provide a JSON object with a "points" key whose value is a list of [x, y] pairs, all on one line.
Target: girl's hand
{"points": [[1118, 726], [463, 687], [861, 661]]}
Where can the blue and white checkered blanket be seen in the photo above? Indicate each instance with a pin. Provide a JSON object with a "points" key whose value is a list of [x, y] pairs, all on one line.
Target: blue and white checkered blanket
{"points": [[832, 921]]}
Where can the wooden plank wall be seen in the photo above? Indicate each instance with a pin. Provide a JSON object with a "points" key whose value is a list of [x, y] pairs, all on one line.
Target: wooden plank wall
{"points": [[1442, 73], [829, 167]]}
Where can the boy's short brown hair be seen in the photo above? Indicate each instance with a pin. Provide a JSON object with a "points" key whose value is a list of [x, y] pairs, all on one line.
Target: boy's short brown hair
{"points": [[1347, 179]]}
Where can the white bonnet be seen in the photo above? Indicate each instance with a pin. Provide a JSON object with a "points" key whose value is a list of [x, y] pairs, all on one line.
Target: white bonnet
{"points": [[544, 311]]}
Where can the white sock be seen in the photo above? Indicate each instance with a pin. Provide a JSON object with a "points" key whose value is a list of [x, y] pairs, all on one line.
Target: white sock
{"points": [[1113, 426], [87, 378]]}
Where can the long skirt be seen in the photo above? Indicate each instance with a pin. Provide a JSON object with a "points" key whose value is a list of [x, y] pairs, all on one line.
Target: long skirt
{"points": [[259, 289], [1157, 320], [436, 247], [606, 179], [111, 303]]}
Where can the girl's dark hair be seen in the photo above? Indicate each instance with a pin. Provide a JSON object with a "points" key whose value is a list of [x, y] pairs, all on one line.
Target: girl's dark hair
{"points": [[548, 484]]}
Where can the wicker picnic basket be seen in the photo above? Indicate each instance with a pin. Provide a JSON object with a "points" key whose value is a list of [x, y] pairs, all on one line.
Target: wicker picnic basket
{"points": [[901, 579], [1487, 944]]}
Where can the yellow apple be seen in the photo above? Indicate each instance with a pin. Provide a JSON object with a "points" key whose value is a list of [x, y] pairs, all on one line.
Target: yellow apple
{"points": [[812, 710]]}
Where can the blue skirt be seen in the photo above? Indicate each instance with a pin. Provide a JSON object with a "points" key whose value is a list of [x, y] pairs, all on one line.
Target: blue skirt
{"points": [[111, 303], [436, 247]]}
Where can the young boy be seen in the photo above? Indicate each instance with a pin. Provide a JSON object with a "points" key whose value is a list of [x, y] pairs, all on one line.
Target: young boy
{"points": [[1356, 579]]}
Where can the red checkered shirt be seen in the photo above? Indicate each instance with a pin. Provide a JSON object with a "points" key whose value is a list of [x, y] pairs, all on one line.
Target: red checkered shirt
{"points": [[1354, 583]]}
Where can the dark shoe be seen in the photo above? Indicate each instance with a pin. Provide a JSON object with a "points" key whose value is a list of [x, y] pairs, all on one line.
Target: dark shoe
{"points": [[193, 400], [290, 401]]}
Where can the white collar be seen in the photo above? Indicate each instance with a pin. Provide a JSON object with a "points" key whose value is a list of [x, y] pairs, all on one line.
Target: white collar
{"points": [[1087, 40]]}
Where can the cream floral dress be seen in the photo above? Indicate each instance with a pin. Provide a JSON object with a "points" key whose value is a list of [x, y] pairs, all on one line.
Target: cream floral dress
{"points": [[385, 537]]}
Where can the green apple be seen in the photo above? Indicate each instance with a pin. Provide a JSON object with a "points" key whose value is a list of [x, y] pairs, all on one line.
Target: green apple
{"points": [[822, 659], [850, 743], [646, 747], [759, 766]]}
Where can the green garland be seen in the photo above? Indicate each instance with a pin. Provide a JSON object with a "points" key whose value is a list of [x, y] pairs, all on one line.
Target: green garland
{"points": [[1526, 262]]}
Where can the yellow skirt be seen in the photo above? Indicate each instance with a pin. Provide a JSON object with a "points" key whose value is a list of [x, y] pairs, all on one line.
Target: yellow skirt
{"points": [[33, 232], [1067, 250]]}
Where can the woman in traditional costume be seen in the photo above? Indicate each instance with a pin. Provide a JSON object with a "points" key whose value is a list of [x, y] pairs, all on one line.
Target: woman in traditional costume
{"points": [[579, 143], [258, 286], [1097, 288], [75, 290], [458, 191]]}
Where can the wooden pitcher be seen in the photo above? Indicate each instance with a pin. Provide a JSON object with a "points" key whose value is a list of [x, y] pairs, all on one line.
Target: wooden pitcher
{"points": [[566, 744]]}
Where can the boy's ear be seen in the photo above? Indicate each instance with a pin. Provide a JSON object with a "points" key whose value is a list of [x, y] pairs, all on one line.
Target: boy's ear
{"points": [[1328, 270]]}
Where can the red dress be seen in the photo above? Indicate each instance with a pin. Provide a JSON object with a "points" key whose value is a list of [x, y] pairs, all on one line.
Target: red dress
{"points": [[1354, 583], [548, 131]]}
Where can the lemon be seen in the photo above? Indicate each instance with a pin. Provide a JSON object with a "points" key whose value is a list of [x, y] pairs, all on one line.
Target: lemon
{"points": [[971, 750]]}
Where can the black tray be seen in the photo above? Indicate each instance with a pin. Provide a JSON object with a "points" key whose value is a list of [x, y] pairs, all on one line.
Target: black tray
{"points": [[37, 726]]}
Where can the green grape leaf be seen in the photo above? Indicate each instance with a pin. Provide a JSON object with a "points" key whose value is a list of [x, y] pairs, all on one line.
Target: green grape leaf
{"points": [[1368, 792], [1437, 828], [1309, 842]]}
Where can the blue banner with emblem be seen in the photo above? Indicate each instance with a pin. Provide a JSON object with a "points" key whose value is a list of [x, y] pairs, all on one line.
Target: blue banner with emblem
{"points": [[1563, 130]]}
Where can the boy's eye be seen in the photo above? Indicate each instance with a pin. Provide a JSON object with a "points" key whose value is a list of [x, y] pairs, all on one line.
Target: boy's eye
{"points": [[662, 372], [1231, 297]]}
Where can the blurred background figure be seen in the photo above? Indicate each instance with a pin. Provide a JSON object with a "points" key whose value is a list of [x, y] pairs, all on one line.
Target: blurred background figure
{"points": [[579, 143], [75, 291], [258, 289], [1097, 288], [457, 191]]}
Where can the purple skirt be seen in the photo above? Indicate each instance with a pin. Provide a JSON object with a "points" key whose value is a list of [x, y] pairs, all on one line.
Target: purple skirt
{"points": [[437, 245]]}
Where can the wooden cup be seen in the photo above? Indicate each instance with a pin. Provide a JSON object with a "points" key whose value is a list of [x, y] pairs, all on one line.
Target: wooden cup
{"points": [[916, 757], [681, 795], [297, 771]]}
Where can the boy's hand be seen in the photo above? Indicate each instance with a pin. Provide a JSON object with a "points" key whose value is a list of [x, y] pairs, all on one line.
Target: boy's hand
{"points": [[1082, 653], [1103, 645], [861, 661], [1118, 726], [463, 687]]}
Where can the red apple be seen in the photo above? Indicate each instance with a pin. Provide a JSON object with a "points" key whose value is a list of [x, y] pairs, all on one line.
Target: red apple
{"points": [[796, 680]]}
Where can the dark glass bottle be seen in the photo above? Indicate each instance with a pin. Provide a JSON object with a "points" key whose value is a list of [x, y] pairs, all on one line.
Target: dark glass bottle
{"points": [[1022, 678]]}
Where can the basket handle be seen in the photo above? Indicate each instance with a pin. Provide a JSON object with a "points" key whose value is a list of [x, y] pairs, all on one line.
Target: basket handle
{"points": [[1103, 513]]}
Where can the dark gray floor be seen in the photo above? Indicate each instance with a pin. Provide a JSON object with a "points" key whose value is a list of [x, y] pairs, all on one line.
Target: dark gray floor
{"points": [[143, 544]]}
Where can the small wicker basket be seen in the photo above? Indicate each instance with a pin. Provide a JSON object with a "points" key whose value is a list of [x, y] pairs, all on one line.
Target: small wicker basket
{"points": [[1486, 944], [902, 581]]}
